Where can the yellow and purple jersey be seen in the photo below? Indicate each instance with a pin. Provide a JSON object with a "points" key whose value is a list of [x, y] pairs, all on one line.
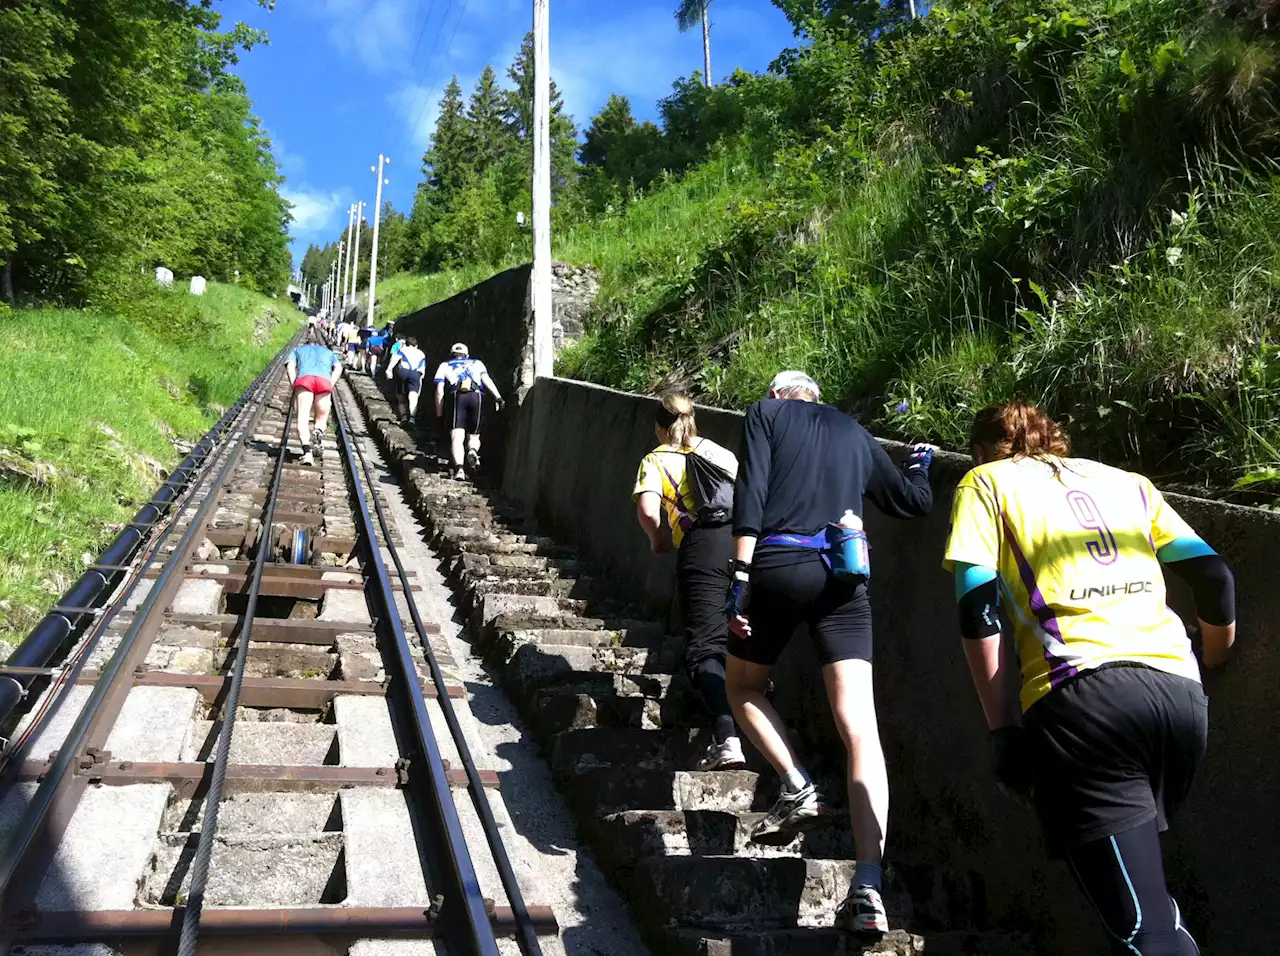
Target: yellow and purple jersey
{"points": [[1074, 544]]}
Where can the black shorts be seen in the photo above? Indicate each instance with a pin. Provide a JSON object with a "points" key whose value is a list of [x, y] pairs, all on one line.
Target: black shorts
{"points": [[1112, 749], [408, 381], [791, 587], [466, 411]]}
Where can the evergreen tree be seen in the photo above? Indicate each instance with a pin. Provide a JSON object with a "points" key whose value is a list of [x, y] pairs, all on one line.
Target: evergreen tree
{"points": [[448, 160], [490, 139], [519, 119]]}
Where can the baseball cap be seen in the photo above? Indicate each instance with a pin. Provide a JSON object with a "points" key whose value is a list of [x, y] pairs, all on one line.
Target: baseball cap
{"points": [[784, 381], [459, 349]]}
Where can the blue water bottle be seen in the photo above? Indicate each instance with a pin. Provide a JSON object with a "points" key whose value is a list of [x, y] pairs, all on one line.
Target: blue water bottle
{"points": [[849, 550]]}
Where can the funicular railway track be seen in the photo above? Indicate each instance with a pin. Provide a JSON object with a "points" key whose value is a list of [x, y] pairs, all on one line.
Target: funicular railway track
{"points": [[255, 737]]}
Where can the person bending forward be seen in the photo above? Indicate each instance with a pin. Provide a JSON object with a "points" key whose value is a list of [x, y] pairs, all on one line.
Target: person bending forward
{"points": [[1111, 721], [313, 371]]}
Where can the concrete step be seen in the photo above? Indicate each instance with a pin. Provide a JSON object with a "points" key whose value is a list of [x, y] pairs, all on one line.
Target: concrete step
{"points": [[576, 751], [634, 835], [603, 703], [530, 666], [740, 893]]}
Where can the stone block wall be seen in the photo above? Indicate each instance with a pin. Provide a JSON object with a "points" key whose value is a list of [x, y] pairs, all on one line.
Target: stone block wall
{"points": [[969, 857]]}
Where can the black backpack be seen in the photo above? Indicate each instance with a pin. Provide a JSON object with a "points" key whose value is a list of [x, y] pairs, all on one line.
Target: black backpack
{"points": [[712, 489]]}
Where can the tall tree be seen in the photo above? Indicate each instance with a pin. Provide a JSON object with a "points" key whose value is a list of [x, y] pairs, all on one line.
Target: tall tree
{"points": [[519, 117], [490, 138], [688, 15], [446, 161]]}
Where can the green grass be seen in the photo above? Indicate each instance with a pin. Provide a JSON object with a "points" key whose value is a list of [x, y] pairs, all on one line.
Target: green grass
{"points": [[89, 405]]}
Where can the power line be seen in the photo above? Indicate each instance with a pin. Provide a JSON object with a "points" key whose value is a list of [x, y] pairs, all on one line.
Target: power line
{"points": [[438, 75], [424, 92]]}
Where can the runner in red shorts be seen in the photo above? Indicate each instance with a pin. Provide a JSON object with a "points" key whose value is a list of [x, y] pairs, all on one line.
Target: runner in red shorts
{"points": [[313, 371]]}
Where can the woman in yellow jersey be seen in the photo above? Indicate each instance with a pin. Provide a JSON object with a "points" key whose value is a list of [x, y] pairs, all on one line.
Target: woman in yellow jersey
{"points": [[704, 551], [1113, 720]]}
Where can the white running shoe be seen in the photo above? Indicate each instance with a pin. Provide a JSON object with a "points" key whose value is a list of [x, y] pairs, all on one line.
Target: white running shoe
{"points": [[317, 440], [473, 461], [792, 813], [863, 911], [307, 459], [460, 475], [725, 756]]}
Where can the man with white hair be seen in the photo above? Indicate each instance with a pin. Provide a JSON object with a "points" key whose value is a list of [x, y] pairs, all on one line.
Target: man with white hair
{"points": [[800, 557], [466, 379]]}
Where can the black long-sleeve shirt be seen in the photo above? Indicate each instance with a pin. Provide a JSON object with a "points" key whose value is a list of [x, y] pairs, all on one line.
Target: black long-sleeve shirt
{"points": [[803, 465]]}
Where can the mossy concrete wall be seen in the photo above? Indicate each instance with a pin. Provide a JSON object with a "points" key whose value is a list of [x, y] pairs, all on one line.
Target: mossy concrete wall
{"points": [[968, 856]]}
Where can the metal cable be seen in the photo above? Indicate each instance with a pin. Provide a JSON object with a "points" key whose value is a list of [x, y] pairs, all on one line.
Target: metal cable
{"points": [[527, 934], [209, 828], [464, 900]]}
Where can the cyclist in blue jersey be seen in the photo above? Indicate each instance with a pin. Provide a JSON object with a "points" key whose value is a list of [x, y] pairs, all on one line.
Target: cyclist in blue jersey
{"points": [[409, 363], [466, 380]]}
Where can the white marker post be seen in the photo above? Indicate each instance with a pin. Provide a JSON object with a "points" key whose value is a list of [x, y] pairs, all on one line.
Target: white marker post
{"points": [[377, 218], [540, 278]]}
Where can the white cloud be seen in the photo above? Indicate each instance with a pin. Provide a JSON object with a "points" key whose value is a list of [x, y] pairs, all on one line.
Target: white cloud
{"points": [[313, 210], [380, 34]]}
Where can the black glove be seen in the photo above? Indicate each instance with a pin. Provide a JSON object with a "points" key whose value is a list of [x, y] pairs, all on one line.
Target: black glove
{"points": [[1010, 761], [738, 599]]}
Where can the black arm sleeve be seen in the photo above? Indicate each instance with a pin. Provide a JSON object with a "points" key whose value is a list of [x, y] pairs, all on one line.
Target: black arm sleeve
{"points": [[897, 493], [1213, 586], [755, 459], [980, 611]]}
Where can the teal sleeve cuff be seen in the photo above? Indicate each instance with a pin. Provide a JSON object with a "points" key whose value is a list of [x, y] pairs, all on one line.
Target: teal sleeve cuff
{"points": [[970, 576], [1181, 549]]}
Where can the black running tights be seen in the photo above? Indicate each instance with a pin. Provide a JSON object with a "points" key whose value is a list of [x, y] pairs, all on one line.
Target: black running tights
{"points": [[1123, 876]]}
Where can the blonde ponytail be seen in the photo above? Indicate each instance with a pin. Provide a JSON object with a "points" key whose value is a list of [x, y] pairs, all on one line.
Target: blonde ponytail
{"points": [[675, 418]]}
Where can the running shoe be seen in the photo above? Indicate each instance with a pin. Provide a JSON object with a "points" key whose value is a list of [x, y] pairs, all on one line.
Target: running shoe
{"points": [[863, 912], [317, 439], [460, 475], [792, 813], [725, 756], [473, 461], [307, 459]]}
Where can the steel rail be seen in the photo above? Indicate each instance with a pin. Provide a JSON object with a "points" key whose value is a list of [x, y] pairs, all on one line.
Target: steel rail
{"points": [[527, 935], [31, 827], [43, 641], [463, 904], [209, 828]]}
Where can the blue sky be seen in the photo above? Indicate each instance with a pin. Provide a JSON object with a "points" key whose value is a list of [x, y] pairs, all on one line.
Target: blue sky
{"points": [[343, 80]]}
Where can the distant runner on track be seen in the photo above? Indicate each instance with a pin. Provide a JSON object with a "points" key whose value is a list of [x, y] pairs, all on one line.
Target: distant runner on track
{"points": [[409, 363], [313, 371], [466, 380]]}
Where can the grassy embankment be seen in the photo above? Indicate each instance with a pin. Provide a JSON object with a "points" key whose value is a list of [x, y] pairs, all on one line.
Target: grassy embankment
{"points": [[91, 405], [1088, 217]]}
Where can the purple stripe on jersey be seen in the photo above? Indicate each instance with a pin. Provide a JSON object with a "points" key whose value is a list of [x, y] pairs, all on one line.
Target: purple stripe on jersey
{"points": [[1146, 510], [1059, 670]]}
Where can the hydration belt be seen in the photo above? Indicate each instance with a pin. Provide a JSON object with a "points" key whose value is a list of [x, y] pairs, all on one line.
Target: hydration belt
{"points": [[843, 550]]}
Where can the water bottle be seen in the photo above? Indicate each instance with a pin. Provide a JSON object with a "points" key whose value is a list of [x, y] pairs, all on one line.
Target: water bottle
{"points": [[850, 553]]}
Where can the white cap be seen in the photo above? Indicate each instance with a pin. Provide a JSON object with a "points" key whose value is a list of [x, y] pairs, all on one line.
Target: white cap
{"points": [[785, 381], [459, 349]]}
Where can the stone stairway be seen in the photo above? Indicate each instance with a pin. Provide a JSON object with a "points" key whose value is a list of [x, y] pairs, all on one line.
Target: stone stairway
{"points": [[601, 686]]}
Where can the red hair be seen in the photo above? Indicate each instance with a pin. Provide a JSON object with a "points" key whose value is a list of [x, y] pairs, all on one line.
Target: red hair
{"points": [[1017, 430]]}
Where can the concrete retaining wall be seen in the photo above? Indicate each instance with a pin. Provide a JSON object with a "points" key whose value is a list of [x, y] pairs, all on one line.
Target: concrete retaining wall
{"points": [[968, 857]]}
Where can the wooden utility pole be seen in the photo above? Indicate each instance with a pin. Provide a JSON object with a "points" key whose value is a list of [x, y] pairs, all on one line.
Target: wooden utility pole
{"points": [[540, 299]]}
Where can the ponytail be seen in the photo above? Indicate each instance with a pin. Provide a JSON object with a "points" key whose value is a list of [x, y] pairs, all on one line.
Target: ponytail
{"points": [[675, 416], [1017, 430]]}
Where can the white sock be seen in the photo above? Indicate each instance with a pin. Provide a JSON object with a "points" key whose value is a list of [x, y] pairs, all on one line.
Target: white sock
{"points": [[795, 780]]}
